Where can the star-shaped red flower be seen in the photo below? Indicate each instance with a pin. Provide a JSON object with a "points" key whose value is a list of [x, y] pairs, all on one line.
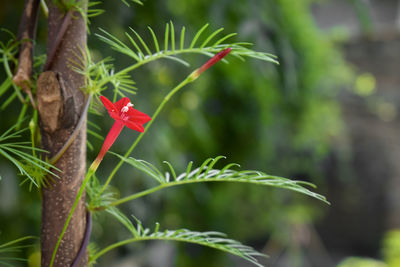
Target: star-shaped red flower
{"points": [[124, 114], [123, 111]]}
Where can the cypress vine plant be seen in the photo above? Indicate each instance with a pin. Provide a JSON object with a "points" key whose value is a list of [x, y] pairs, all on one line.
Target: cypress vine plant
{"points": [[58, 90]]}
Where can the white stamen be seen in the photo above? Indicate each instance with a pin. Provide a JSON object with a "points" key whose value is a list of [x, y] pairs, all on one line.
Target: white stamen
{"points": [[126, 107]]}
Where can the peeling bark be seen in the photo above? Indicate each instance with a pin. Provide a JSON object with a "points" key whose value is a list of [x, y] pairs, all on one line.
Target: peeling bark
{"points": [[60, 104]]}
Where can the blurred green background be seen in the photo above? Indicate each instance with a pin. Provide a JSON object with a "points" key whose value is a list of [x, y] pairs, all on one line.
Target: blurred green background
{"points": [[326, 114]]}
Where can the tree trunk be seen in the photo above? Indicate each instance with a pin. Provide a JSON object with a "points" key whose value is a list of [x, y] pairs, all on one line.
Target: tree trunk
{"points": [[60, 104]]}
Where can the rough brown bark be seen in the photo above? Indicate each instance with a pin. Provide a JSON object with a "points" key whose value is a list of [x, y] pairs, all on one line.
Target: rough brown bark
{"points": [[26, 34], [60, 103]]}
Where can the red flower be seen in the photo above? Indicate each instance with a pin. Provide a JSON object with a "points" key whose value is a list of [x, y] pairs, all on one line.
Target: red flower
{"points": [[124, 114], [123, 111]]}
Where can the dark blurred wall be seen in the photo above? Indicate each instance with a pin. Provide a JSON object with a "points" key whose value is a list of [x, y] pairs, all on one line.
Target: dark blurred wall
{"points": [[366, 199]]}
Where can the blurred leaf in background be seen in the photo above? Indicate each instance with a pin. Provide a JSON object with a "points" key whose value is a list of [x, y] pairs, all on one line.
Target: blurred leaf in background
{"points": [[361, 262], [391, 248]]}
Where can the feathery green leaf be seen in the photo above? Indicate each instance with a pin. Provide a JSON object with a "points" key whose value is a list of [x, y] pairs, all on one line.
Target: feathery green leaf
{"points": [[192, 44], [98, 200], [166, 37], [37, 171], [9, 248], [182, 40], [124, 220], [171, 49], [126, 2], [156, 45], [207, 173], [210, 239], [172, 37], [211, 37]]}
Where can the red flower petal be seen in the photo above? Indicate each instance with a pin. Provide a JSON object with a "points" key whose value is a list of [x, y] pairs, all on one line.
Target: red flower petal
{"points": [[107, 103], [121, 103], [134, 126], [132, 118], [111, 108], [137, 116], [110, 139]]}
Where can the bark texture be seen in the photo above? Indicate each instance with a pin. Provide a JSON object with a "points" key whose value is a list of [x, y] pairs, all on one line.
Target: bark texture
{"points": [[60, 103]]}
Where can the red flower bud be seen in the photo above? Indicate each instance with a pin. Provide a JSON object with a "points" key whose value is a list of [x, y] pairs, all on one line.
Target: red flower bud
{"points": [[195, 74]]}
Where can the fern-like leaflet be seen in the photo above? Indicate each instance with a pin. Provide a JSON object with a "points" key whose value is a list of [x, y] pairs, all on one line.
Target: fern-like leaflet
{"points": [[35, 169], [9, 248], [215, 240], [140, 51], [102, 73], [207, 173]]}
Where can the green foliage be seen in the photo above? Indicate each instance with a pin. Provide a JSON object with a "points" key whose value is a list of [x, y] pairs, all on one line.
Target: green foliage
{"points": [[214, 240], [92, 11], [8, 249], [99, 199], [93, 132], [8, 52], [9, 60], [126, 2], [87, 12], [101, 74], [30, 165], [116, 213], [207, 173], [142, 54]]}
